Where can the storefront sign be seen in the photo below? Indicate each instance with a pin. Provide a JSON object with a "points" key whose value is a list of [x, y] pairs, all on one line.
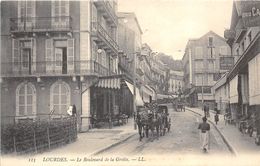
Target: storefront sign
{"points": [[226, 63], [250, 13]]}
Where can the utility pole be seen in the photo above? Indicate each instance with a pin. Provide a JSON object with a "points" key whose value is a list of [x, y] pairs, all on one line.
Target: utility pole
{"points": [[134, 81]]}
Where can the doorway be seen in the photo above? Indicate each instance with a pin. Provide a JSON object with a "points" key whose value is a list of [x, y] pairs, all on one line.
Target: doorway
{"points": [[61, 60], [26, 60]]}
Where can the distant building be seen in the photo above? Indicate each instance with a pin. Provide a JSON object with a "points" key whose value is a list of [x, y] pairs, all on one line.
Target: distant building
{"points": [[175, 83], [205, 60]]}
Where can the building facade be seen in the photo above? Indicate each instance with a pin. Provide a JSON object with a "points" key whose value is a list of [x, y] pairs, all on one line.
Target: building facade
{"points": [[55, 54], [205, 60], [221, 94], [175, 83], [244, 38]]}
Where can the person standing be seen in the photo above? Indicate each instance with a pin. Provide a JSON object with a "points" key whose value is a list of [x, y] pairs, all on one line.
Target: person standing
{"points": [[204, 128], [216, 118], [74, 110]]}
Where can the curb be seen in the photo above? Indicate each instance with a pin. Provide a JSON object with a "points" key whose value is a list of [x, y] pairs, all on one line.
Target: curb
{"points": [[113, 145], [230, 148]]}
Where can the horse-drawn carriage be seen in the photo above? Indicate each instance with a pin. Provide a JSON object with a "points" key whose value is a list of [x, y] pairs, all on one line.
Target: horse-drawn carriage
{"points": [[154, 118]]}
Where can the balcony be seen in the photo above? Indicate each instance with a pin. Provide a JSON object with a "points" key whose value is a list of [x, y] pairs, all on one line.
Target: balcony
{"points": [[54, 68], [107, 10], [103, 39], [41, 24]]}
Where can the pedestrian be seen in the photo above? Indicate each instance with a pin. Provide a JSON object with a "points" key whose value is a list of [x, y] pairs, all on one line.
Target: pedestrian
{"points": [[216, 118], [205, 110], [74, 110], [204, 128]]}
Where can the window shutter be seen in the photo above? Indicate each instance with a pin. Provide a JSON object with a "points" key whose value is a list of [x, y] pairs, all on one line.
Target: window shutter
{"points": [[16, 56], [70, 55], [67, 7], [33, 53], [49, 55]]}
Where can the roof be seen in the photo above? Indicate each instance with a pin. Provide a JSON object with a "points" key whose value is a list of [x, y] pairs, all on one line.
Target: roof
{"points": [[129, 15]]}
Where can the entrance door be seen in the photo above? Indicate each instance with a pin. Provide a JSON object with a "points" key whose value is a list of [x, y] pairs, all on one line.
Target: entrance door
{"points": [[26, 60], [61, 60], [64, 60]]}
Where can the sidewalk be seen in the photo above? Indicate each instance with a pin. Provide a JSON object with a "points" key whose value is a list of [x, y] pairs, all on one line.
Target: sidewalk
{"points": [[92, 142], [239, 143]]}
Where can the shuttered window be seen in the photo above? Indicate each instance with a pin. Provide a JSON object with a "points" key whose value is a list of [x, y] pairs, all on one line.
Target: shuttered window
{"points": [[49, 55], [24, 55], [26, 13], [60, 11], [60, 97], [70, 55], [25, 99]]}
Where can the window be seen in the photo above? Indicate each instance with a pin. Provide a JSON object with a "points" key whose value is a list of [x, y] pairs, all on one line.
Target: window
{"points": [[60, 97], [211, 65], [59, 56], [25, 100], [223, 50], [216, 76], [211, 52], [26, 13], [198, 79], [60, 13], [210, 41], [24, 55], [199, 52], [199, 66]]}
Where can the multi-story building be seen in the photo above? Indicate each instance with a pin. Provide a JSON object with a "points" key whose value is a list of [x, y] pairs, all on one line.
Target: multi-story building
{"points": [[134, 55], [175, 83], [243, 79], [158, 74], [56, 54], [205, 60]]}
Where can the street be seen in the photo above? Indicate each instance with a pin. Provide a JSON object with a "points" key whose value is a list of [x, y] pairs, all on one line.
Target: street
{"points": [[182, 139]]}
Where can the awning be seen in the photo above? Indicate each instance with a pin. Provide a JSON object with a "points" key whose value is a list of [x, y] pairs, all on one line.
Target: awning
{"points": [[233, 90], [162, 96], [192, 90], [138, 98], [130, 86], [113, 83]]}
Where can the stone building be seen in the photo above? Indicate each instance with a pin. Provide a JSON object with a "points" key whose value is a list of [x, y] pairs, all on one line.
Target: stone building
{"points": [[205, 60], [55, 54]]}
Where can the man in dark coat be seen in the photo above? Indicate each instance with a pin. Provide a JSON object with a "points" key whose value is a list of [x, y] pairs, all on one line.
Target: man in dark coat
{"points": [[204, 128]]}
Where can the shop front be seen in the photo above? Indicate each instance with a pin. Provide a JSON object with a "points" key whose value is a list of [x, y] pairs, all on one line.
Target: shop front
{"points": [[233, 97], [111, 98]]}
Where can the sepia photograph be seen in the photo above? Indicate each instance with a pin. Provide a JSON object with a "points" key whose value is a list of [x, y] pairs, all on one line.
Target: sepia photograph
{"points": [[130, 82]]}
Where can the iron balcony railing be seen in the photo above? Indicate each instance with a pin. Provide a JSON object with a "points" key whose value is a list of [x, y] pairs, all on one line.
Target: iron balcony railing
{"points": [[98, 30], [106, 6], [54, 68], [39, 24]]}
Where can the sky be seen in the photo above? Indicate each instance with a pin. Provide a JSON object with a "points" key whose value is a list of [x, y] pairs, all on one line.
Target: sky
{"points": [[167, 25]]}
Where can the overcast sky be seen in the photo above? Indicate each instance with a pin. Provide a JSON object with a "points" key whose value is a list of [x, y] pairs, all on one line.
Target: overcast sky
{"points": [[168, 24]]}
